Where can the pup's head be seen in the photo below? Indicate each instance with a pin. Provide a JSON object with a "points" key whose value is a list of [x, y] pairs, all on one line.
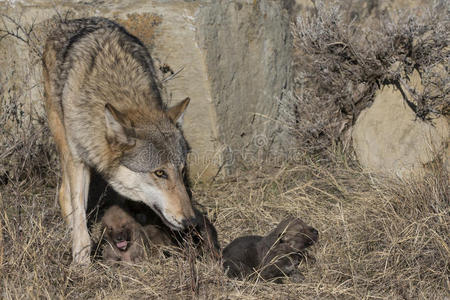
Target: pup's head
{"points": [[296, 234], [152, 159], [119, 227], [284, 246]]}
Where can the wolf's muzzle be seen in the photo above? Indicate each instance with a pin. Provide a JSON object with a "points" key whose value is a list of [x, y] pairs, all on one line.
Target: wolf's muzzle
{"points": [[189, 222]]}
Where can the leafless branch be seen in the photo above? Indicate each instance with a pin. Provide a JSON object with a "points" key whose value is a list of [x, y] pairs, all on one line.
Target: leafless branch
{"points": [[23, 33]]}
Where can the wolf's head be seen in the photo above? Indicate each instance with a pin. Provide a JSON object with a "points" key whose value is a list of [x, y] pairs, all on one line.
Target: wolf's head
{"points": [[152, 161], [295, 233]]}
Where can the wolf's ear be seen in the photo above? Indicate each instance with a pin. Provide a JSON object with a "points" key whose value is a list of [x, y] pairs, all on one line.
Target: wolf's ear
{"points": [[116, 130], [176, 112]]}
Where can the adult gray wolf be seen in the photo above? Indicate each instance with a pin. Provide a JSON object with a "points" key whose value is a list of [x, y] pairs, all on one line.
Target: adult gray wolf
{"points": [[273, 256], [105, 112]]}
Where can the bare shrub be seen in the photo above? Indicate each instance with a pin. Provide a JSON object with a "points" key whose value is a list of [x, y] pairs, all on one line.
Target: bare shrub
{"points": [[25, 148], [341, 60]]}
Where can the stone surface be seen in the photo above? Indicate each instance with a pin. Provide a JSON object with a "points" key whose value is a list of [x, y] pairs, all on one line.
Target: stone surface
{"points": [[232, 58], [388, 137], [247, 50]]}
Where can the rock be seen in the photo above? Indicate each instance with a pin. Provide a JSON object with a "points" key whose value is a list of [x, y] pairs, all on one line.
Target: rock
{"points": [[387, 137], [233, 59], [247, 51]]}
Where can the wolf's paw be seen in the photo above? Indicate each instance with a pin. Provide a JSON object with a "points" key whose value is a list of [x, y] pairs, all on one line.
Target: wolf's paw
{"points": [[81, 249], [81, 259]]}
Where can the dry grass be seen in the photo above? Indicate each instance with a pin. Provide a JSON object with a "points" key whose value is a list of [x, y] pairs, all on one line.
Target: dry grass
{"points": [[379, 238]]}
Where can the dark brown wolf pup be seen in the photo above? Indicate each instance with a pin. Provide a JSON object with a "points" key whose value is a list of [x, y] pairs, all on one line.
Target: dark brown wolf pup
{"points": [[273, 256]]}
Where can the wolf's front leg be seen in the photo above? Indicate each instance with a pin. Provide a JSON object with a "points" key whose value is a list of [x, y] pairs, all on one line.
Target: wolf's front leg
{"points": [[79, 175], [65, 201]]}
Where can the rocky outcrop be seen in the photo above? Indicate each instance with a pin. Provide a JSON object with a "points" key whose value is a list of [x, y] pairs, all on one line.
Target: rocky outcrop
{"points": [[247, 50], [388, 137]]}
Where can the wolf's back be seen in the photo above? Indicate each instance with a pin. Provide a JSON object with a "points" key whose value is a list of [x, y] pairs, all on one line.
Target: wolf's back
{"points": [[65, 33], [62, 35], [72, 41], [89, 63]]}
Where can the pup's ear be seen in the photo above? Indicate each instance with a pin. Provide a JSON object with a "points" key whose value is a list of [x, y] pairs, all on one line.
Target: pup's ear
{"points": [[116, 130], [176, 112]]}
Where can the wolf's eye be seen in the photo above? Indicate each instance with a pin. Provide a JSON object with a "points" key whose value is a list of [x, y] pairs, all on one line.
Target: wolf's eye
{"points": [[161, 174]]}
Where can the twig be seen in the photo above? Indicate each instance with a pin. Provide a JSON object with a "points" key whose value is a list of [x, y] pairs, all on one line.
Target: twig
{"points": [[21, 33], [402, 86], [173, 75]]}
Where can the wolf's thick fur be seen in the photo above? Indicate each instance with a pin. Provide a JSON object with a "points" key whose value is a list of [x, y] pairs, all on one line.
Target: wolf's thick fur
{"points": [[273, 256], [105, 112]]}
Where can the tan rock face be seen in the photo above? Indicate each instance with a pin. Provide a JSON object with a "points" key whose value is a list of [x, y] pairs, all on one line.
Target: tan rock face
{"points": [[247, 52], [232, 58], [387, 136]]}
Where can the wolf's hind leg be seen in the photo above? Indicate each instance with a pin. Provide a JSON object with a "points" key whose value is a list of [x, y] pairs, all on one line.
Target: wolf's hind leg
{"points": [[79, 177]]}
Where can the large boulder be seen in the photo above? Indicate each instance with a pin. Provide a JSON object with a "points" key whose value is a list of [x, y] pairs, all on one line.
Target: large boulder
{"points": [[389, 138], [232, 58]]}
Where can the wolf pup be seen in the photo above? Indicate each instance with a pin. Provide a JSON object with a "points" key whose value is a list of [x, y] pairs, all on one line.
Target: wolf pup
{"points": [[273, 256], [122, 239], [105, 112]]}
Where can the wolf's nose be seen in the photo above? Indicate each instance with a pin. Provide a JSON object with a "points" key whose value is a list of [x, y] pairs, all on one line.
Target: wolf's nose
{"points": [[190, 222]]}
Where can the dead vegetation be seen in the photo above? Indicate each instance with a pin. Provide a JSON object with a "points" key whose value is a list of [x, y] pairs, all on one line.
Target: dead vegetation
{"points": [[379, 238], [344, 56], [26, 152]]}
